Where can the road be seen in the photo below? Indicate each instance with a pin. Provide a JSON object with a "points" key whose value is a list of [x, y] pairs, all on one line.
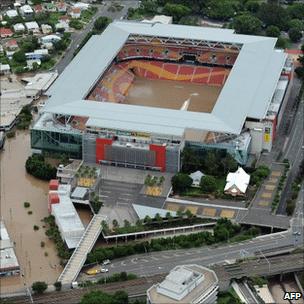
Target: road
{"points": [[294, 153], [78, 36], [162, 262]]}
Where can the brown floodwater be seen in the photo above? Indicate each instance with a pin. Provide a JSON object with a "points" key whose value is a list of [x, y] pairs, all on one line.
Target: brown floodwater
{"points": [[172, 94], [37, 264]]}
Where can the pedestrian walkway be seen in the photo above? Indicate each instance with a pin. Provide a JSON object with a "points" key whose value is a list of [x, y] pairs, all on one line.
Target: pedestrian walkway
{"points": [[79, 256]]}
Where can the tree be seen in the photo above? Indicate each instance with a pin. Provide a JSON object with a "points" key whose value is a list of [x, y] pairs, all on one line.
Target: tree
{"points": [[177, 11], [296, 10], [19, 57], [294, 34], [101, 23], [229, 163], [273, 14], [100, 297], [181, 182], [211, 163], [29, 44], [300, 72], [296, 23], [39, 287], [115, 223], [208, 184], [252, 6], [281, 43], [221, 10], [247, 24], [273, 31]]}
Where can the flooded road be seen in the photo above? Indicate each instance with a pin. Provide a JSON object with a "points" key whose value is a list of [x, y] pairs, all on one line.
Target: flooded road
{"points": [[17, 186]]}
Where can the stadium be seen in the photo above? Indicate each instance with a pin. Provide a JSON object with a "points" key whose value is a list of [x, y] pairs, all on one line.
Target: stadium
{"points": [[137, 94]]}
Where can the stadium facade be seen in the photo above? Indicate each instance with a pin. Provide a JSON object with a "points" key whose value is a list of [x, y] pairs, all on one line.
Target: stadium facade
{"points": [[90, 116]]}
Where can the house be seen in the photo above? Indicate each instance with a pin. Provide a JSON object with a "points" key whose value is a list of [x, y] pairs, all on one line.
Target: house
{"points": [[26, 11], [196, 177], [9, 54], [31, 63], [47, 45], [75, 12], [50, 38], [62, 25], [11, 45], [38, 9], [4, 69], [237, 182], [11, 13], [18, 28], [82, 6], [46, 29], [37, 54], [61, 7], [50, 7], [5, 32], [64, 18], [32, 27]]}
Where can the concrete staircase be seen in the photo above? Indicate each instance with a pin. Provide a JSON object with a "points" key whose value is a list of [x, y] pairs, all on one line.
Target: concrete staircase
{"points": [[85, 245]]}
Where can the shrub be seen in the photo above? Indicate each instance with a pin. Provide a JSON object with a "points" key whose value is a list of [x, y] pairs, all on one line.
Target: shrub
{"points": [[26, 204], [35, 227], [30, 212], [58, 285], [36, 166], [42, 244], [39, 287], [10, 134]]}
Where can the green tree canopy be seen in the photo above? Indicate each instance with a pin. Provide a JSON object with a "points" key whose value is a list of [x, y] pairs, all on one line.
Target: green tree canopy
{"points": [[252, 6], [273, 14], [19, 57], [273, 31], [208, 184], [222, 10], [101, 23], [100, 297], [296, 23], [39, 287], [177, 11], [247, 24], [181, 182], [296, 10], [295, 34]]}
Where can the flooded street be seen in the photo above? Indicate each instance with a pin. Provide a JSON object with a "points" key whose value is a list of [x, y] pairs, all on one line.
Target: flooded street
{"points": [[17, 186]]}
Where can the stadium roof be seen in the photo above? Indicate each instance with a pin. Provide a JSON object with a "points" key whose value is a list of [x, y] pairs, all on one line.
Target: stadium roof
{"points": [[247, 92]]}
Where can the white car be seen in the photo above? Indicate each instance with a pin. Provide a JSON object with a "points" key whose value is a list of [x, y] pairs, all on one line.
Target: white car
{"points": [[104, 270], [106, 262]]}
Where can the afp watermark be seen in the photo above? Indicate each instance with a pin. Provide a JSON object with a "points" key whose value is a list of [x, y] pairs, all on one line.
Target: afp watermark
{"points": [[292, 295]]}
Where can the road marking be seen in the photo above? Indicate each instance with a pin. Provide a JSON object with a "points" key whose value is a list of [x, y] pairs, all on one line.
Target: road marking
{"points": [[166, 257], [100, 195], [154, 258]]}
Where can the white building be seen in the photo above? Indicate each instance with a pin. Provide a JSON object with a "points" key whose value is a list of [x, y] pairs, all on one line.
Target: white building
{"points": [[75, 12], [18, 27], [50, 38], [26, 11], [81, 5], [237, 182], [196, 177], [11, 13], [46, 29], [4, 69], [32, 26], [66, 216], [62, 25], [185, 284], [9, 264]]}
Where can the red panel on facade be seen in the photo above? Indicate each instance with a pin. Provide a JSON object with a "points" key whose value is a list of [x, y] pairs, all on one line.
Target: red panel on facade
{"points": [[53, 199], [100, 148], [54, 184], [274, 126], [160, 159]]}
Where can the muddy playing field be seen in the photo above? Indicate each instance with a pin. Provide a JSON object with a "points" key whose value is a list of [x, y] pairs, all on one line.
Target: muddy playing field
{"points": [[173, 95]]}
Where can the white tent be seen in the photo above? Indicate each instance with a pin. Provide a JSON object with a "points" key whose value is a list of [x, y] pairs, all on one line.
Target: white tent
{"points": [[237, 182], [196, 177]]}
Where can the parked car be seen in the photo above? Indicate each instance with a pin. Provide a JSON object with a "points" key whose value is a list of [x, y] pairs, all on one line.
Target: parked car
{"points": [[106, 262]]}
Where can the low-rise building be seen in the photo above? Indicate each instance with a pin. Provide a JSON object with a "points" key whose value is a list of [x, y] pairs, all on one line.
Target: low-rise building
{"points": [[26, 11], [191, 284], [81, 5], [37, 54], [75, 12], [4, 69], [31, 63], [32, 26], [66, 216], [11, 13], [50, 7], [159, 19], [46, 29], [38, 9], [9, 263], [61, 7], [5, 32], [18, 28], [50, 38], [12, 45], [237, 182], [62, 26]]}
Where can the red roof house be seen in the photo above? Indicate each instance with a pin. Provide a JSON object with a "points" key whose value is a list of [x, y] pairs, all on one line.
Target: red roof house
{"points": [[5, 32]]}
